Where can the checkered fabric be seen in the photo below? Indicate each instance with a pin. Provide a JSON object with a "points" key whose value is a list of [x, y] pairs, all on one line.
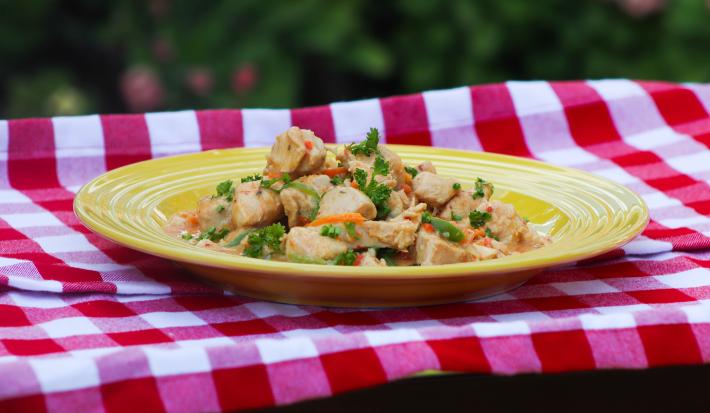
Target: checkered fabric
{"points": [[86, 325]]}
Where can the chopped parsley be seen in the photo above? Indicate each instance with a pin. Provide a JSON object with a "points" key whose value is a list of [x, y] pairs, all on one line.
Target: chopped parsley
{"points": [[252, 178], [213, 235], [267, 237], [219, 208], [457, 186], [350, 229], [387, 254], [226, 189], [368, 146], [478, 218], [330, 231], [337, 180], [480, 185], [346, 258], [411, 170], [381, 167], [378, 193], [268, 183], [455, 217], [186, 236], [490, 234]]}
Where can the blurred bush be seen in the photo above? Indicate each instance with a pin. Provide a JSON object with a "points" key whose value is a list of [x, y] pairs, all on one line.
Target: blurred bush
{"points": [[81, 56]]}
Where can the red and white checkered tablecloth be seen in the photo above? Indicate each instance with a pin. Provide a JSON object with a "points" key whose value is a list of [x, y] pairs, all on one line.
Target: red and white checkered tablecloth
{"points": [[86, 325]]}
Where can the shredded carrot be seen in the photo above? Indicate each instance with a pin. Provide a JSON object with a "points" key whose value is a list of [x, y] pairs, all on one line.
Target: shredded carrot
{"points": [[428, 227], [309, 145], [407, 189], [272, 175], [407, 178], [358, 260], [354, 217], [354, 185], [334, 171]]}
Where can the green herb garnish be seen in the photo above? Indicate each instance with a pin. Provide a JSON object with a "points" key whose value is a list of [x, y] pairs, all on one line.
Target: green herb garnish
{"points": [[219, 208], [457, 186], [267, 237], [378, 193], [226, 190], [330, 231], [337, 180], [186, 236], [411, 171], [478, 218], [368, 146], [252, 178], [445, 228], [350, 229], [490, 234], [381, 167], [213, 235], [387, 254], [346, 258], [480, 186], [455, 217], [268, 183]]}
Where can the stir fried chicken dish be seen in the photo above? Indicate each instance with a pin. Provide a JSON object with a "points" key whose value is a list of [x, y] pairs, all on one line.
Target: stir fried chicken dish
{"points": [[356, 205]]}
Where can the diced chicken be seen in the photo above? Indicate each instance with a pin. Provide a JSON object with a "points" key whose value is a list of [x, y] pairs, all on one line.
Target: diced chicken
{"points": [[395, 163], [461, 204], [392, 234], [369, 259], [482, 253], [397, 203], [412, 214], [214, 212], [255, 206], [433, 189], [426, 166], [307, 242], [431, 249], [345, 199], [299, 205], [297, 152], [512, 231], [181, 223]]}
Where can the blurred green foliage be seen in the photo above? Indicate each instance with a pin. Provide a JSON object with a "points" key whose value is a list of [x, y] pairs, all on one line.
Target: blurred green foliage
{"points": [[82, 56]]}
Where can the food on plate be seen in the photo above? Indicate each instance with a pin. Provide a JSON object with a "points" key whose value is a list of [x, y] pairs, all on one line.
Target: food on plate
{"points": [[356, 205]]}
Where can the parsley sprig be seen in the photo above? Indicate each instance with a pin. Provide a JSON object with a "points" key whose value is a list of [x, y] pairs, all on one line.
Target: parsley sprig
{"points": [[268, 183], [480, 186], [226, 189], [346, 258], [368, 146], [252, 178], [411, 171], [330, 231], [265, 241], [490, 234], [378, 193], [213, 235], [478, 218]]}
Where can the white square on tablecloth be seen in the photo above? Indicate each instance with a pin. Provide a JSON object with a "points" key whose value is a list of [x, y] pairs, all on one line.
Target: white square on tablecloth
{"points": [[181, 360], [352, 120], [173, 132], [165, 319], [509, 328], [264, 309], [30, 299], [449, 107], [385, 337], [57, 374], [261, 126], [274, 350], [70, 326], [607, 321]]}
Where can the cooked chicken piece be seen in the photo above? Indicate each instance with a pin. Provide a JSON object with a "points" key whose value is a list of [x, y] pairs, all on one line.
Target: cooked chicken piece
{"points": [[344, 199], [298, 204], [366, 163], [512, 231], [181, 223], [395, 162], [426, 166], [431, 249], [214, 212], [481, 252], [392, 234], [255, 206], [369, 259], [297, 152], [433, 189], [307, 242], [461, 204], [397, 203], [413, 213]]}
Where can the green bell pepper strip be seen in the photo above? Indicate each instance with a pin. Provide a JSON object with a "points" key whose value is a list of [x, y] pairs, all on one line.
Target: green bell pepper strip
{"points": [[447, 229], [239, 238], [308, 191]]}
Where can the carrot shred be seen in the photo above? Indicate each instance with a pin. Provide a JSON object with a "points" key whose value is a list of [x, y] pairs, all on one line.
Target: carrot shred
{"points": [[331, 172], [354, 185], [428, 227], [272, 175], [407, 189], [353, 217], [309, 145]]}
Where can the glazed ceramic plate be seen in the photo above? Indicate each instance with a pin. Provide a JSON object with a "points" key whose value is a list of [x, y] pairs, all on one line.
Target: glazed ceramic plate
{"points": [[583, 214]]}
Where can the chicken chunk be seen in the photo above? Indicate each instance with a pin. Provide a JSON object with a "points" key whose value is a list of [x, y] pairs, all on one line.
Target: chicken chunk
{"points": [[426, 166], [300, 205], [305, 242], [461, 204], [255, 206], [391, 234], [345, 199], [511, 230], [297, 152], [431, 249], [397, 203], [369, 259], [433, 189], [214, 212]]}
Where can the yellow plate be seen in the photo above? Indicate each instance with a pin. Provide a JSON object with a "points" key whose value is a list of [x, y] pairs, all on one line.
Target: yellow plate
{"points": [[585, 215]]}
